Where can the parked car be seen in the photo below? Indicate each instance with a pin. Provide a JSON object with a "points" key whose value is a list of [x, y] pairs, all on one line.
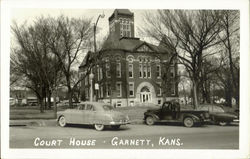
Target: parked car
{"points": [[92, 113], [170, 112], [219, 115]]}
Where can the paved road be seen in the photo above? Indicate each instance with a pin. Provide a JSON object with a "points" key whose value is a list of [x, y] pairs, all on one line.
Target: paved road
{"points": [[130, 136]]}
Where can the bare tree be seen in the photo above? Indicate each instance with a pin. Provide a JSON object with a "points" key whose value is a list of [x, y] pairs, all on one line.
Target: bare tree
{"points": [[69, 39], [188, 35], [32, 59], [230, 39]]}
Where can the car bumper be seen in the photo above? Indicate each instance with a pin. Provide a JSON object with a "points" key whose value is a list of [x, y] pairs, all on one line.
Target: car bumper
{"points": [[119, 122], [236, 120]]}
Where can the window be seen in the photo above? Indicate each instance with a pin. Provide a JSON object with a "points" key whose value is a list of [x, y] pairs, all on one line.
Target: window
{"points": [[140, 70], [130, 59], [118, 69], [108, 90], [149, 71], [145, 71], [119, 89], [131, 89], [125, 29], [159, 101], [108, 70], [89, 107], [172, 72], [172, 88], [81, 107], [118, 103], [140, 59], [130, 71], [107, 107], [159, 88], [158, 71]]}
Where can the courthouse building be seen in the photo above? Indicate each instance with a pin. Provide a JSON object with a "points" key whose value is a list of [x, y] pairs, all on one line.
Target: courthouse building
{"points": [[130, 72]]}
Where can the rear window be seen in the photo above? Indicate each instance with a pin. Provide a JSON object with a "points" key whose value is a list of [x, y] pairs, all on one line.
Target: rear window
{"points": [[107, 107]]}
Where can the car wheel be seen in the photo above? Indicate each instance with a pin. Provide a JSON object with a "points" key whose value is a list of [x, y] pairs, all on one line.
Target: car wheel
{"points": [[62, 121], [222, 123], [115, 126], [150, 120], [188, 122], [99, 127]]}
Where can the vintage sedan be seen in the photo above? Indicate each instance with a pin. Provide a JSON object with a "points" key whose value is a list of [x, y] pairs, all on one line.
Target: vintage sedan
{"points": [[92, 113], [219, 115]]}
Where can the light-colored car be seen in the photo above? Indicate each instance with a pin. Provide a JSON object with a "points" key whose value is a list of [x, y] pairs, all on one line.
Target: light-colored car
{"points": [[92, 113], [219, 115]]}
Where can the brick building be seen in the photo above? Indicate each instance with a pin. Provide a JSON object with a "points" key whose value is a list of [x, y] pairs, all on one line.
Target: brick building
{"points": [[130, 71]]}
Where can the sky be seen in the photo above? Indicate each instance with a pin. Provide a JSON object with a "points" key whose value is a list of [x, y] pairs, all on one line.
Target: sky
{"points": [[28, 15], [21, 15]]}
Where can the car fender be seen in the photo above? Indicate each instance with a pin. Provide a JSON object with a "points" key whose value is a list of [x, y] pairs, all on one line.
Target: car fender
{"points": [[152, 115], [100, 118], [194, 117]]}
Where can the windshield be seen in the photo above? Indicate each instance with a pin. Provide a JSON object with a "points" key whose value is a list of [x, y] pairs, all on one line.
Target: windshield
{"points": [[108, 107]]}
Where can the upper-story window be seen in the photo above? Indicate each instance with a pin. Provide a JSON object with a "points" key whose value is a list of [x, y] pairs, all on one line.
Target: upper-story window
{"points": [[140, 70], [125, 29], [144, 67], [172, 88], [108, 70], [118, 69], [130, 59], [158, 71], [119, 89], [130, 71], [172, 72]]}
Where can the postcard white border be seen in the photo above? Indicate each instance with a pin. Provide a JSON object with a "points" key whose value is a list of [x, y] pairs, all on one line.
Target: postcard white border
{"points": [[243, 152]]}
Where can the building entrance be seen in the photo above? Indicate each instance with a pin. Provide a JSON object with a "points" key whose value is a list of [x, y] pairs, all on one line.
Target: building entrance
{"points": [[145, 95]]}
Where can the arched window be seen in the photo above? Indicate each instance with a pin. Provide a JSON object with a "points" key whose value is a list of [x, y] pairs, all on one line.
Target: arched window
{"points": [[130, 59]]}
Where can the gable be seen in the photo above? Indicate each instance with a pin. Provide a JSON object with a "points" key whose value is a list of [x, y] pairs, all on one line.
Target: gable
{"points": [[144, 48]]}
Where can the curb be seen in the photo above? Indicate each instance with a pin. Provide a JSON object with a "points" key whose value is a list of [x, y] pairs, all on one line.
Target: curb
{"points": [[51, 122]]}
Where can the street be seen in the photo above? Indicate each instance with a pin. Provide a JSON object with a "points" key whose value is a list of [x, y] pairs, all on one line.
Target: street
{"points": [[130, 136]]}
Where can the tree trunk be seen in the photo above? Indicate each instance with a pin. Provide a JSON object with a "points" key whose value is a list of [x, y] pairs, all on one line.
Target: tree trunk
{"points": [[40, 100], [195, 96], [55, 106], [49, 99]]}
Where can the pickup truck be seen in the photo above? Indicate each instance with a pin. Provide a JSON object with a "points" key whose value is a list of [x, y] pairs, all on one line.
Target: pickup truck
{"points": [[170, 112]]}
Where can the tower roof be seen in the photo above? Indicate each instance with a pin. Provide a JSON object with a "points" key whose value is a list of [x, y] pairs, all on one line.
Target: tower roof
{"points": [[121, 12]]}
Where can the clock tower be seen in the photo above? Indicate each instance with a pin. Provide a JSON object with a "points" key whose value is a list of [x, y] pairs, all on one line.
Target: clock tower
{"points": [[121, 24]]}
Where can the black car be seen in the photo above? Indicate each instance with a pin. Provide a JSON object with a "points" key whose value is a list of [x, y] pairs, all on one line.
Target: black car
{"points": [[170, 112], [219, 115]]}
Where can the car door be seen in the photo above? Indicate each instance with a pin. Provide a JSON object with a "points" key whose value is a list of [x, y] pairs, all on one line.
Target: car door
{"points": [[166, 113], [89, 114], [77, 115]]}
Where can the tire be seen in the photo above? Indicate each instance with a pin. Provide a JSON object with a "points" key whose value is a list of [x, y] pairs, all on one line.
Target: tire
{"points": [[115, 126], [222, 123], [150, 120], [99, 127], [62, 121], [188, 122]]}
